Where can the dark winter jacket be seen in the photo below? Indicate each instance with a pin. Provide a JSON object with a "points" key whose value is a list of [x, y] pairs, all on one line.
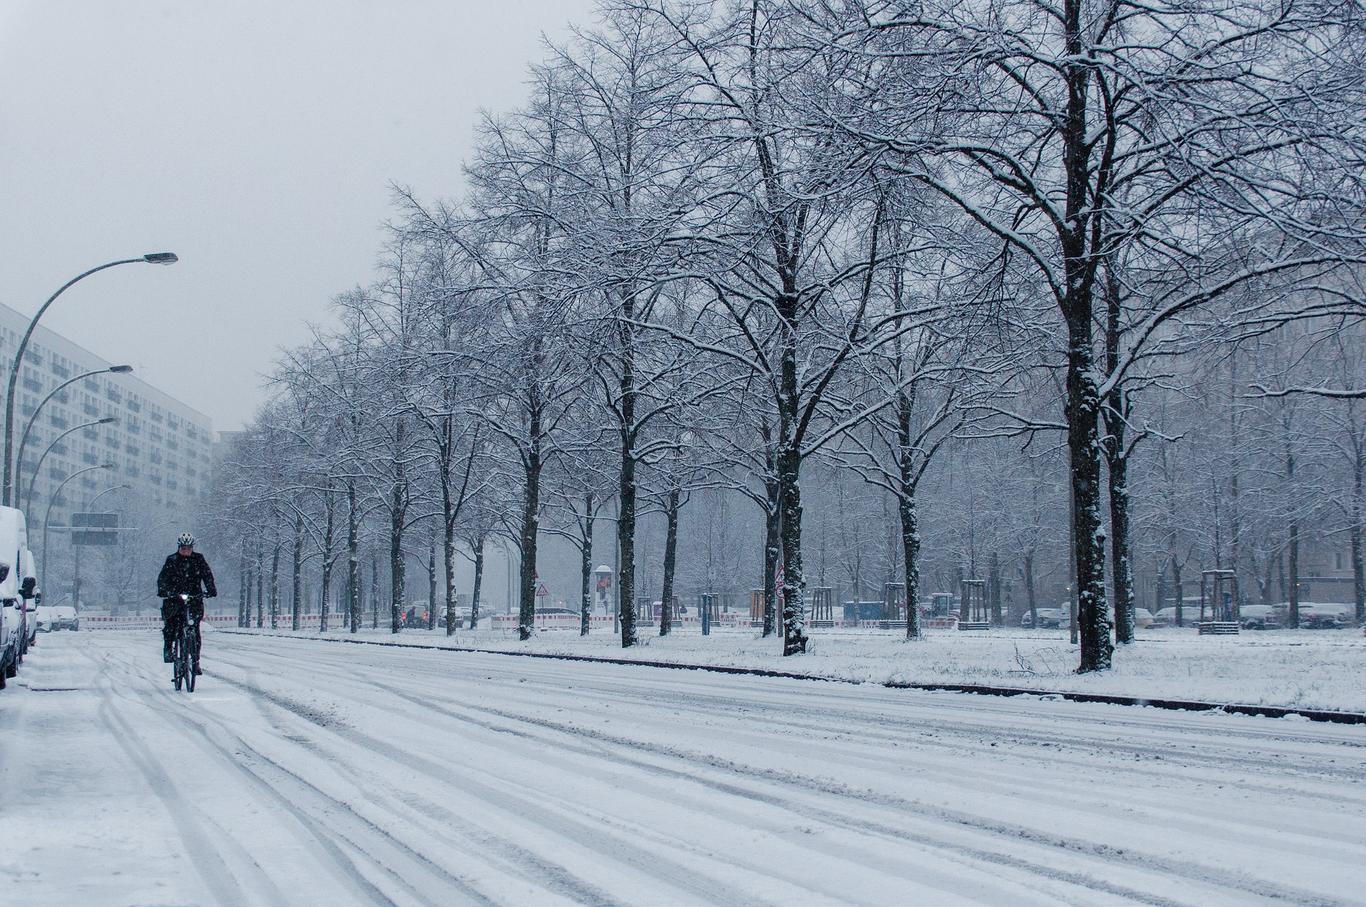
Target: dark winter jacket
{"points": [[183, 576]]}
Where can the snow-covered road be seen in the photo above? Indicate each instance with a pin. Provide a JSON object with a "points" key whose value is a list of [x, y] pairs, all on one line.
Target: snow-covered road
{"points": [[306, 772]]}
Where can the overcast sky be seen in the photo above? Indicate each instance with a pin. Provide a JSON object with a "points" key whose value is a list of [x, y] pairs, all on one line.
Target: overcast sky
{"points": [[254, 138]]}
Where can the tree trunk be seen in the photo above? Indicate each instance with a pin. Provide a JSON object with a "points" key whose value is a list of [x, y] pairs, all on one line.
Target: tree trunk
{"points": [[1293, 552], [626, 536], [325, 593], [586, 565], [398, 567], [448, 569], [1121, 564], [526, 621], [244, 591], [670, 558], [1114, 414], [1358, 566], [297, 587], [1093, 621], [789, 490], [478, 581], [275, 585], [352, 557], [910, 545], [1159, 590], [772, 552], [1029, 588], [431, 582], [994, 589], [1179, 591], [260, 586], [374, 590], [1077, 304]]}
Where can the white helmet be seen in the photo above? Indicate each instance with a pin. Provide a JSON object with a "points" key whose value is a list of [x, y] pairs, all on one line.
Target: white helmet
{"points": [[186, 540]]}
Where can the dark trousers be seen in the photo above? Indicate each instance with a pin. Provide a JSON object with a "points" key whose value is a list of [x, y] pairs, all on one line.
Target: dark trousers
{"points": [[171, 614]]}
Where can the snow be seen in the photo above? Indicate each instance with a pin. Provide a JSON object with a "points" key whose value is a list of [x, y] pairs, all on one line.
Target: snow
{"points": [[303, 772], [1308, 669]]}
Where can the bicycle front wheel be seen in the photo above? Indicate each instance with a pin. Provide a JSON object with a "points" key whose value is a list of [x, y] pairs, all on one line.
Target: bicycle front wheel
{"points": [[187, 661]]}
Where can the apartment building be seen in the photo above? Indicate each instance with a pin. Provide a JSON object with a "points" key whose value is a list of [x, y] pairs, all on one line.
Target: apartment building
{"points": [[157, 444]]}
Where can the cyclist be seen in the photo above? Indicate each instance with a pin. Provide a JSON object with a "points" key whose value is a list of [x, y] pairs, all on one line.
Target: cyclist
{"points": [[183, 574]]}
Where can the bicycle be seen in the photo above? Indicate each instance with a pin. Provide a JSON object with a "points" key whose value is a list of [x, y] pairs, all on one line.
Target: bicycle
{"points": [[184, 649]]}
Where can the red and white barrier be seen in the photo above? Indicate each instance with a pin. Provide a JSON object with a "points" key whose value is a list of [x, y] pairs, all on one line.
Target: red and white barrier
{"points": [[144, 622]]}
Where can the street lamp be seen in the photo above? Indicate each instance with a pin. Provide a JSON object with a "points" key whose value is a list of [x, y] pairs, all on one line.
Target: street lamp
{"points": [[47, 516], [151, 258], [38, 467], [23, 439], [76, 552]]}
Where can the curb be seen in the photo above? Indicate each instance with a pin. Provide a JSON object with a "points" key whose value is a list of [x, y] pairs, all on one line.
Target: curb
{"points": [[1177, 705]]}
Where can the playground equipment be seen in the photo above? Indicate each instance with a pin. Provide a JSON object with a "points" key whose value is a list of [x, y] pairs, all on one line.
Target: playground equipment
{"points": [[893, 600], [822, 606], [1218, 603]]}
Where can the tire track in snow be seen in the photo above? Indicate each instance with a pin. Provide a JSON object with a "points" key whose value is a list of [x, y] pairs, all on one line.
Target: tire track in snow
{"points": [[651, 864], [332, 811], [1081, 726], [332, 856], [1190, 871], [217, 877], [951, 885]]}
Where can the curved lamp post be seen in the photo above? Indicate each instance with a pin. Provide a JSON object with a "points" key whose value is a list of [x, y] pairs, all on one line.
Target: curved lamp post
{"points": [[23, 439], [47, 517], [151, 258], [38, 467]]}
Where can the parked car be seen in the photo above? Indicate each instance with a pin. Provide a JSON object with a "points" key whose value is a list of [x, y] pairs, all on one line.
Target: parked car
{"points": [[1190, 616], [1259, 617], [1049, 618], [32, 600], [462, 619], [1318, 616], [63, 617], [1143, 618]]}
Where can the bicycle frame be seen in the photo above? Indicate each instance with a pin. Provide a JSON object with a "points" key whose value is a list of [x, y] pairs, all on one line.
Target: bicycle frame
{"points": [[182, 660]]}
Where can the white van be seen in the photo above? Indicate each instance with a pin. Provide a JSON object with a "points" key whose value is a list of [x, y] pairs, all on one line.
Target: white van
{"points": [[14, 589]]}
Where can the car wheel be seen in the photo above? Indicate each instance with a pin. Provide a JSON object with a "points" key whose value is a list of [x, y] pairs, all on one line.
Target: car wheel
{"points": [[12, 669]]}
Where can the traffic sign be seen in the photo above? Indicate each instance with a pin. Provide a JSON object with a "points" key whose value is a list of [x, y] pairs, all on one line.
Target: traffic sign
{"points": [[94, 528]]}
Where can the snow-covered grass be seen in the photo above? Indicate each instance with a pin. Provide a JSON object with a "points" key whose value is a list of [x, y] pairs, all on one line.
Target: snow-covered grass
{"points": [[1311, 669]]}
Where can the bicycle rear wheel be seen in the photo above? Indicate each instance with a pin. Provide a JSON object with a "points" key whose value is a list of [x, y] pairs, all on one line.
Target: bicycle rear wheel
{"points": [[176, 676]]}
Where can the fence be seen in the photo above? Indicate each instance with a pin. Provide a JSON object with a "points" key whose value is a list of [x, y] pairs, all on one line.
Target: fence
{"points": [[136, 622]]}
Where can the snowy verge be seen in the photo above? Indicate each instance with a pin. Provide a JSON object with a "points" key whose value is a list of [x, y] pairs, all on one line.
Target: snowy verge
{"points": [[1311, 670]]}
